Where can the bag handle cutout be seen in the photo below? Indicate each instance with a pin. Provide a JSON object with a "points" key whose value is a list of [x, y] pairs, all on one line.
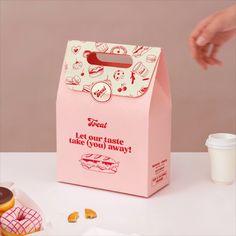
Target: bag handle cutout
{"points": [[110, 59]]}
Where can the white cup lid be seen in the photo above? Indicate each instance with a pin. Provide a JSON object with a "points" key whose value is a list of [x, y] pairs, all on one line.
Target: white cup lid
{"points": [[221, 141]]}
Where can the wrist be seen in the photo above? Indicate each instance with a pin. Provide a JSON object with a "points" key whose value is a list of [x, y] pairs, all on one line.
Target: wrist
{"points": [[229, 18]]}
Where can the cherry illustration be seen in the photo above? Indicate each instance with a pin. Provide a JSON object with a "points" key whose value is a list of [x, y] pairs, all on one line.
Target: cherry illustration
{"points": [[122, 88]]}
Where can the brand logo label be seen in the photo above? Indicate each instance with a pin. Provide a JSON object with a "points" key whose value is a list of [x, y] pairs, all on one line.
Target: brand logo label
{"points": [[93, 122], [101, 92]]}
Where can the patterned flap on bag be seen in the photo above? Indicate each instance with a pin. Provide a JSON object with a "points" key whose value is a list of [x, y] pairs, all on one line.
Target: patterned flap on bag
{"points": [[84, 73]]}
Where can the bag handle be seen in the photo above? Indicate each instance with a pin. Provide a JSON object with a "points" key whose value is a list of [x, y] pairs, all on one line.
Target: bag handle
{"points": [[109, 59]]}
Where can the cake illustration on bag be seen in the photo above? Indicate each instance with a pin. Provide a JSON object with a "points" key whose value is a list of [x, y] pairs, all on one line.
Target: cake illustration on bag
{"points": [[151, 58], [140, 69], [119, 74], [119, 50], [95, 71], [99, 163], [77, 65], [74, 80], [101, 47], [87, 88]]}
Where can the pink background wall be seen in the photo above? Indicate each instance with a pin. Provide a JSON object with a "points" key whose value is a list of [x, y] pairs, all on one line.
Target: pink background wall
{"points": [[33, 40]]}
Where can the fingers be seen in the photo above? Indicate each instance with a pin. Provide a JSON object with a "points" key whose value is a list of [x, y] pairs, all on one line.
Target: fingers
{"points": [[208, 33], [212, 59], [200, 55], [199, 28], [207, 55], [196, 32], [203, 51], [201, 42], [214, 51], [198, 52]]}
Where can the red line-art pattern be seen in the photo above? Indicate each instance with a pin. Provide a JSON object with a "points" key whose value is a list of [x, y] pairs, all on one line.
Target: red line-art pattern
{"points": [[99, 163], [82, 74]]}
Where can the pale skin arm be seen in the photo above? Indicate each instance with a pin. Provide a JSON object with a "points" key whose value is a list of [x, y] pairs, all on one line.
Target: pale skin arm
{"points": [[211, 34]]}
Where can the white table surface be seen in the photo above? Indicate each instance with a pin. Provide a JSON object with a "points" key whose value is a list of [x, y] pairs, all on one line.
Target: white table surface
{"points": [[190, 205]]}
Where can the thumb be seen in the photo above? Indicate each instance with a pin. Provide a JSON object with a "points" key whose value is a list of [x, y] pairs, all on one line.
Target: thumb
{"points": [[208, 33]]}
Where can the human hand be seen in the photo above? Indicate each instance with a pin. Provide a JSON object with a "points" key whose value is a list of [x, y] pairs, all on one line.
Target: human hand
{"points": [[210, 34]]}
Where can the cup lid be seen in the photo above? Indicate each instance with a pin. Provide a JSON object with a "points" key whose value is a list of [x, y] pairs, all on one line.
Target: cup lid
{"points": [[221, 141]]}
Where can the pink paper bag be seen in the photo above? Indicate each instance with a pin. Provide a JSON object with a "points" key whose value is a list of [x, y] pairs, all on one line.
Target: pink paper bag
{"points": [[114, 118]]}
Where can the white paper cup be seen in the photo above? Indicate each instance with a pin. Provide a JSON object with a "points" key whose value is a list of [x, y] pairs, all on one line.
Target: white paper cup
{"points": [[222, 152]]}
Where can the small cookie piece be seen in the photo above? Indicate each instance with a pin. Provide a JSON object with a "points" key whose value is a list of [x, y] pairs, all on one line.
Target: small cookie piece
{"points": [[90, 214], [73, 217]]}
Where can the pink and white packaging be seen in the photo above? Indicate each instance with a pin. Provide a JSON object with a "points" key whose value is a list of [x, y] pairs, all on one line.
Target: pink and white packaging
{"points": [[114, 118]]}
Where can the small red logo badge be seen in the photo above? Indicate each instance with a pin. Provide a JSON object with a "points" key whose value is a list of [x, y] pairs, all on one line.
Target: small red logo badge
{"points": [[101, 92]]}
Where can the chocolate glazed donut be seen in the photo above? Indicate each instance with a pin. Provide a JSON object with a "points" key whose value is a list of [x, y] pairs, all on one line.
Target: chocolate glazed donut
{"points": [[5, 195], [7, 200]]}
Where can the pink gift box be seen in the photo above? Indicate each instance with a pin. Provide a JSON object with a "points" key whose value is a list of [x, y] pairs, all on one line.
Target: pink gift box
{"points": [[114, 118]]}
